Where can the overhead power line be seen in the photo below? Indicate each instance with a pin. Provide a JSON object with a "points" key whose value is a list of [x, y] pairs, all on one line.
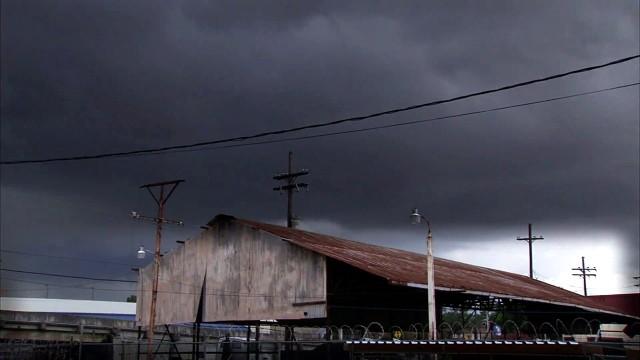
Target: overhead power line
{"points": [[399, 124], [213, 292], [77, 286], [220, 292], [407, 123], [92, 260], [210, 292], [67, 276], [322, 124]]}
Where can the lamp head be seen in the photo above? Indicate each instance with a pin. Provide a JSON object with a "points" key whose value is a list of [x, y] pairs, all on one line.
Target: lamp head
{"points": [[141, 252], [415, 216]]}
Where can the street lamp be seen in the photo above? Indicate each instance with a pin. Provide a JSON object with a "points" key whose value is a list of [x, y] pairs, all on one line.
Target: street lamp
{"points": [[142, 252], [417, 218]]}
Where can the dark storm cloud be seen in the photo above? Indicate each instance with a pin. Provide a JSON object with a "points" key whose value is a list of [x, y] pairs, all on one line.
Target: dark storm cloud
{"points": [[89, 77]]}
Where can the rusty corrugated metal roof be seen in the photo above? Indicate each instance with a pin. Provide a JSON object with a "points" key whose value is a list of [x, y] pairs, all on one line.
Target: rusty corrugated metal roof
{"points": [[627, 303], [409, 268]]}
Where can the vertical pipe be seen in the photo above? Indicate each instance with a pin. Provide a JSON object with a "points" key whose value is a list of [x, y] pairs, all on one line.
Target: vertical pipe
{"points": [[198, 340], [139, 337], [193, 341], [80, 345], [431, 298], [487, 323], [294, 344], [248, 341], [287, 339], [258, 341]]}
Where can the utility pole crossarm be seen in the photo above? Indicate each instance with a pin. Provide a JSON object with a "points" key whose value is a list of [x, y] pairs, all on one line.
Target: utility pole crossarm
{"points": [[137, 216], [296, 187], [530, 239], [163, 199], [170, 182], [294, 175], [290, 185]]}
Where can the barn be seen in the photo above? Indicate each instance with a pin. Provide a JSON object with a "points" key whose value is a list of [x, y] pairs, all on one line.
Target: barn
{"points": [[243, 271]]}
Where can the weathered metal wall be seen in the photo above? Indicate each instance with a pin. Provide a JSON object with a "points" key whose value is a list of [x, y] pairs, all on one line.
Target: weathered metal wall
{"points": [[180, 283], [248, 275], [255, 275]]}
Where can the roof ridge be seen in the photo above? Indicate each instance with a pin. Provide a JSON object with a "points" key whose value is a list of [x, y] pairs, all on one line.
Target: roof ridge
{"points": [[331, 236]]}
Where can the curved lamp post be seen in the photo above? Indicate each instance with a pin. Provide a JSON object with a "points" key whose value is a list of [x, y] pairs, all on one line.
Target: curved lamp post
{"points": [[416, 218]]}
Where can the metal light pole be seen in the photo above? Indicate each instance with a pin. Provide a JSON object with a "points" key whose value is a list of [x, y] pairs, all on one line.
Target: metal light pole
{"points": [[416, 218]]}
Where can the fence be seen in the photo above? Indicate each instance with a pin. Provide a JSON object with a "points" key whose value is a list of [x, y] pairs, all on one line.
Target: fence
{"points": [[333, 342], [312, 350]]}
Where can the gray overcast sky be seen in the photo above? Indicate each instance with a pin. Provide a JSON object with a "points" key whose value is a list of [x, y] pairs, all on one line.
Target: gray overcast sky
{"points": [[85, 77]]}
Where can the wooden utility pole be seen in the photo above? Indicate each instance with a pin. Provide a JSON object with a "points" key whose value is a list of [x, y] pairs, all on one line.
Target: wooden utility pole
{"points": [[161, 200], [530, 239], [584, 272], [290, 185]]}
